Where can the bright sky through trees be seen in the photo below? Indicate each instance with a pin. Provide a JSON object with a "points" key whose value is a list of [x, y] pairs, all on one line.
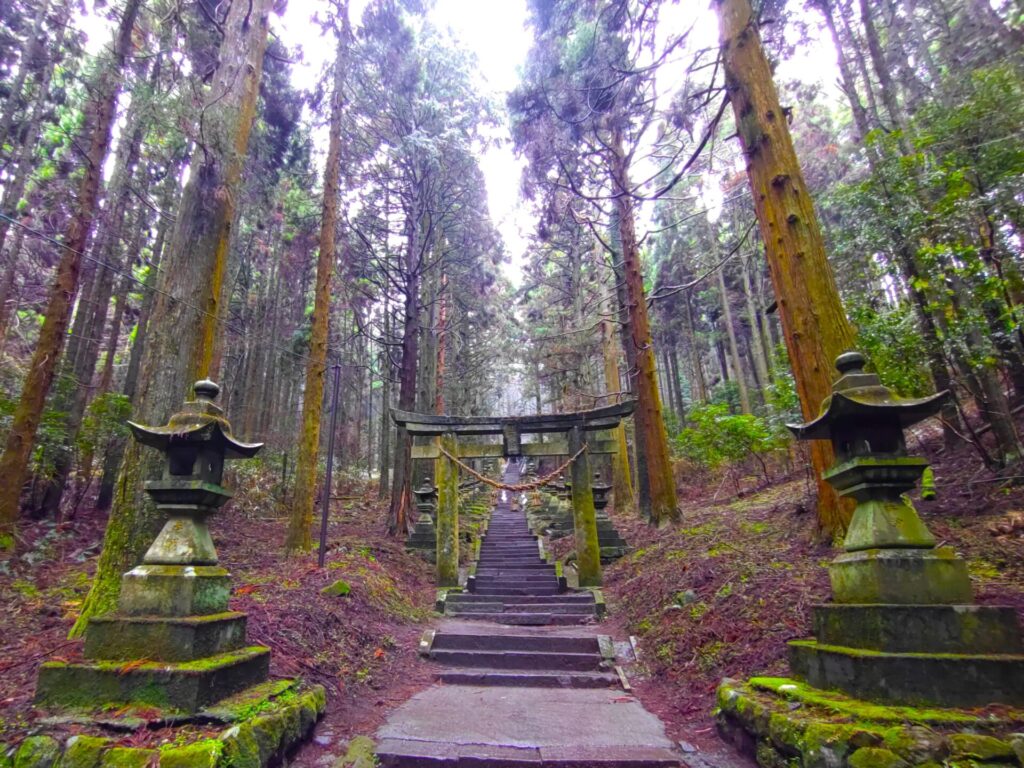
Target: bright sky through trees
{"points": [[495, 32]]}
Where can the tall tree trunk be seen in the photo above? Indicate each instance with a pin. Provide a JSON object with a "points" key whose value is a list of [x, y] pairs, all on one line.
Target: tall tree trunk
{"points": [[699, 387], [640, 478], [677, 390], [664, 508], [83, 364], [734, 350], [622, 484], [814, 324], [386, 373], [398, 514], [301, 520], [44, 362], [28, 60], [757, 353], [184, 319], [112, 460]]}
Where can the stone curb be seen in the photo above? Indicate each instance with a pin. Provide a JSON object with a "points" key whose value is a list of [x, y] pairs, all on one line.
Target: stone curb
{"points": [[772, 721], [254, 742]]}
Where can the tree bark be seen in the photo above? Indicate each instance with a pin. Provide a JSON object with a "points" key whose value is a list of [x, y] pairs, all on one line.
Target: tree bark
{"points": [[661, 479], [44, 362], [734, 349], [184, 320], [300, 523], [622, 484], [815, 326]]}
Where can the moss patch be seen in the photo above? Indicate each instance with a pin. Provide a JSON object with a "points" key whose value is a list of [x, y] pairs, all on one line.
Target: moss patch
{"points": [[83, 752], [37, 752], [360, 754], [784, 724], [202, 754]]}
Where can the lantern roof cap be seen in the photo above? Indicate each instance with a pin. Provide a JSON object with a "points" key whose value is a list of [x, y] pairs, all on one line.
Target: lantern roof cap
{"points": [[199, 420], [856, 393]]}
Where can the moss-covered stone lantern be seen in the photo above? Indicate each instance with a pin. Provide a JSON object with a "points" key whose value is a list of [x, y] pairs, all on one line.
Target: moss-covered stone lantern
{"points": [[902, 627], [423, 539], [172, 611]]}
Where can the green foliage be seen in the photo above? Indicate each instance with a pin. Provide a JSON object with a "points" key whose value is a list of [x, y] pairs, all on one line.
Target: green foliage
{"points": [[888, 336], [719, 437], [105, 421]]}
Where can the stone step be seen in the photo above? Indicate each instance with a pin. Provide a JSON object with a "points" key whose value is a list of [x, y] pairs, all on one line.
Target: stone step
{"points": [[538, 565], [401, 753], [580, 598], [531, 618], [501, 606], [531, 660], [524, 679], [515, 579], [510, 591], [539, 643]]}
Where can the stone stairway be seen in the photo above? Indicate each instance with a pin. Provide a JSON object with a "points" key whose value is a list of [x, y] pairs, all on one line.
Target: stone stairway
{"points": [[510, 696], [512, 584]]}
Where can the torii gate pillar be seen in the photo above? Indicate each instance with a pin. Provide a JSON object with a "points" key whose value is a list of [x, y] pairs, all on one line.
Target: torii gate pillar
{"points": [[588, 550], [448, 514]]}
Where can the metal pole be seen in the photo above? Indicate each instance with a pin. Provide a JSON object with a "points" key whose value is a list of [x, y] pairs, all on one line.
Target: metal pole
{"points": [[330, 463]]}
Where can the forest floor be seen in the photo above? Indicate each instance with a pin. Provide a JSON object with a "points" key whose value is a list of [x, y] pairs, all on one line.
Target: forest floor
{"points": [[717, 595]]}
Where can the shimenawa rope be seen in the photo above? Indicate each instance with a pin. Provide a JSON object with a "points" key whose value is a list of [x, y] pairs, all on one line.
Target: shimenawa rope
{"points": [[516, 488]]}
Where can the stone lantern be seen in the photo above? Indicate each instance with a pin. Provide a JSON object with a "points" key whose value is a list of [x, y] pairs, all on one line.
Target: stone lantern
{"points": [[600, 491], [423, 538], [173, 608], [902, 627]]}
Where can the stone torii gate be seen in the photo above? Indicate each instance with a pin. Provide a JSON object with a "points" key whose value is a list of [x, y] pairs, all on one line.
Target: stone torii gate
{"points": [[447, 448]]}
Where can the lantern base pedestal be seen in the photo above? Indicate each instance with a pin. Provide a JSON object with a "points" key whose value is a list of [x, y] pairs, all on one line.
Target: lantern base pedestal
{"points": [[174, 590], [165, 639], [904, 576], [932, 679], [185, 686], [423, 539], [956, 629]]}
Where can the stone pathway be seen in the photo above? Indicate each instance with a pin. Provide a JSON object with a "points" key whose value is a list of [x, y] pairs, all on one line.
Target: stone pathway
{"points": [[511, 695]]}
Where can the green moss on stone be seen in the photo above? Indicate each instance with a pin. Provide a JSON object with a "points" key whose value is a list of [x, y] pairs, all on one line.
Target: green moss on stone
{"points": [[268, 731], [126, 757], [786, 732], [856, 708], [360, 754], [340, 588], [241, 749], [979, 747], [83, 752], [37, 752], [292, 719], [1017, 742], [202, 754], [875, 757]]}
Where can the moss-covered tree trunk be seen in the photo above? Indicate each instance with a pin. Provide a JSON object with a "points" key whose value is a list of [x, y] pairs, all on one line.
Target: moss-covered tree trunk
{"points": [[649, 422], [179, 346], [814, 324], [301, 521], [401, 482], [43, 367], [622, 483]]}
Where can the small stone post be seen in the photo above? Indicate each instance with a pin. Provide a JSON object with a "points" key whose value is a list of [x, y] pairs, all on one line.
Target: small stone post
{"points": [[448, 514], [588, 550]]}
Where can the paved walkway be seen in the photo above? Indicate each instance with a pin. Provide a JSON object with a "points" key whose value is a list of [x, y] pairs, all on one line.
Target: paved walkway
{"points": [[528, 680]]}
